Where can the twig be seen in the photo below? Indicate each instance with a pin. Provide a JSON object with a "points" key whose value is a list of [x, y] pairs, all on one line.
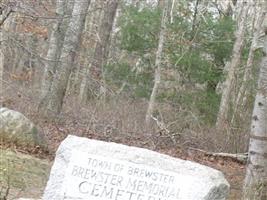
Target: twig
{"points": [[162, 127]]}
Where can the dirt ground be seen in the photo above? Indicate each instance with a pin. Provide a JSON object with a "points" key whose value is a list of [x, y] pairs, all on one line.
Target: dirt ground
{"points": [[233, 170]]}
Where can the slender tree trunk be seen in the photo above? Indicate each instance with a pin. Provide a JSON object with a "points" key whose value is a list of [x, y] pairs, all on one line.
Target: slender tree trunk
{"points": [[32, 60], [171, 11], [255, 185], [158, 63], [51, 104], [194, 23], [6, 11], [86, 44], [53, 50], [55, 43], [232, 67], [1, 76], [10, 28], [94, 70], [1, 63], [161, 3], [247, 78], [102, 46], [92, 28]]}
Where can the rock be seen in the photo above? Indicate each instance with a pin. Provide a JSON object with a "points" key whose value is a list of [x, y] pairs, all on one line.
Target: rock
{"points": [[90, 169], [16, 128]]}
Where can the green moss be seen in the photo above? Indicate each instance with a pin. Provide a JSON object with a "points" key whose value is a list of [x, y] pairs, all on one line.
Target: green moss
{"points": [[22, 173]]}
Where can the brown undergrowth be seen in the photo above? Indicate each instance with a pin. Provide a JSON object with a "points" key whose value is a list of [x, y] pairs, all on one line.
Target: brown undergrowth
{"points": [[121, 120]]}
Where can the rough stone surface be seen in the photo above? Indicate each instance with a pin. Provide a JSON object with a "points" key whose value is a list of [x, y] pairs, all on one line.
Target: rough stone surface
{"points": [[81, 165], [15, 127]]}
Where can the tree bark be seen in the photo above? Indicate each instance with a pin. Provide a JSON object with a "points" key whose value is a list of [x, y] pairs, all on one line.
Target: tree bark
{"points": [[63, 8], [102, 46], [5, 11], [92, 28], [158, 63], [255, 185], [171, 11], [95, 68], [194, 23], [1, 63], [247, 78], [256, 181], [51, 104], [232, 67], [87, 37]]}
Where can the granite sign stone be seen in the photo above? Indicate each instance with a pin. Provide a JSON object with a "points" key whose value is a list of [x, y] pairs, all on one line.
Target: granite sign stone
{"points": [[94, 170]]}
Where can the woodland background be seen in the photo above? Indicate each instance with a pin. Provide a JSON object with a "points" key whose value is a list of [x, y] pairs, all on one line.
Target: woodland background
{"points": [[168, 75]]}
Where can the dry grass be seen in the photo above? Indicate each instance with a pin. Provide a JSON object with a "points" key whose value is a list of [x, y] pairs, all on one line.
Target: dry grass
{"points": [[121, 119]]}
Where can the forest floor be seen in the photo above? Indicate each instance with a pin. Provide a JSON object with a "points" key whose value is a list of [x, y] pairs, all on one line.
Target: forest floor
{"points": [[76, 124], [233, 170]]}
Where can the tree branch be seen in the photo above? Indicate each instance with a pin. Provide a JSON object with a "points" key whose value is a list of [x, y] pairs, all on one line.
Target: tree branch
{"points": [[5, 17]]}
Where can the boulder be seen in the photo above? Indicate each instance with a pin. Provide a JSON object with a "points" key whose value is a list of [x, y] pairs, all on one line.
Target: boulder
{"points": [[16, 128], [96, 170]]}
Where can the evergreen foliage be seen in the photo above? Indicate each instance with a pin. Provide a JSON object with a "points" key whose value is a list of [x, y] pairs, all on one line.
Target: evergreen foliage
{"points": [[198, 55]]}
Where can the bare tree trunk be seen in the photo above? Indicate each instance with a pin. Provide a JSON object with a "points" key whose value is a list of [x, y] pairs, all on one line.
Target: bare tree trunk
{"points": [[51, 104], [247, 78], [92, 28], [1, 63], [158, 63], [255, 185], [55, 43], [87, 45], [232, 67], [171, 11], [194, 23], [161, 3], [32, 60], [9, 27], [1, 74], [5, 12], [102, 46], [94, 71]]}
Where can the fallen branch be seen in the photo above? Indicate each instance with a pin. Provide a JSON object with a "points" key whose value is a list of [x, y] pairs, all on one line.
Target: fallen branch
{"points": [[241, 157]]}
